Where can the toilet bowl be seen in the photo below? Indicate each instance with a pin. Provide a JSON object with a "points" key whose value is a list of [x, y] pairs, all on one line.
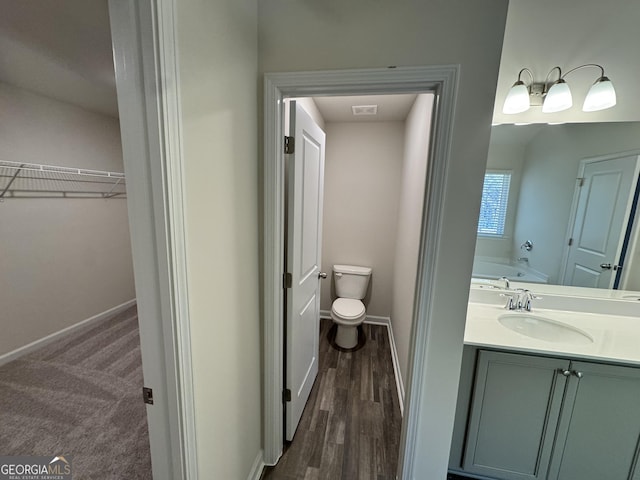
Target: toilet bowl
{"points": [[348, 311]]}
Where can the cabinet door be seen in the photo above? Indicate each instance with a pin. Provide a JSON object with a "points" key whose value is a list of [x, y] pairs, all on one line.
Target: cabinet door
{"points": [[514, 414], [599, 431]]}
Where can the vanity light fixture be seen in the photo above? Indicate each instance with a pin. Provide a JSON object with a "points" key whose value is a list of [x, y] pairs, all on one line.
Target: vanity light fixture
{"points": [[556, 96]]}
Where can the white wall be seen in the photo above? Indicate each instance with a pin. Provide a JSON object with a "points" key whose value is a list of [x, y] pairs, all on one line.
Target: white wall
{"points": [[361, 34], [217, 53], [409, 223], [363, 165], [62, 260], [504, 157], [550, 169]]}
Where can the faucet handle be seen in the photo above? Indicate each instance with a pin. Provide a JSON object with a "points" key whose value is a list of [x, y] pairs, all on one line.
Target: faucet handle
{"points": [[511, 301]]}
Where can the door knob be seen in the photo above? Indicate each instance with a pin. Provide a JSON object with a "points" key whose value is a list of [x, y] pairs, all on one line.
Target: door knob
{"points": [[608, 266], [322, 275]]}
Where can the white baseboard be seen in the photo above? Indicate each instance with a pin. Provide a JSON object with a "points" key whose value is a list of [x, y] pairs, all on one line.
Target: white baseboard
{"points": [[396, 367], [257, 467], [376, 320], [19, 352], [385, 321]]}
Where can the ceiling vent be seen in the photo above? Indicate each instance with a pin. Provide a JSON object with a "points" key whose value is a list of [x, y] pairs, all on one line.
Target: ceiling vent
{"points": [[364, 109]]}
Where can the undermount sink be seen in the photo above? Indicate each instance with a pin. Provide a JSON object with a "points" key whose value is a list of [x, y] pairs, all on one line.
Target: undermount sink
{"points": [[542, 328]]}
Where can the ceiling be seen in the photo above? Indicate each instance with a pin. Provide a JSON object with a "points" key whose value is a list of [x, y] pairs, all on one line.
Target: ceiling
{"points": [[390, 107], [60, 49]]}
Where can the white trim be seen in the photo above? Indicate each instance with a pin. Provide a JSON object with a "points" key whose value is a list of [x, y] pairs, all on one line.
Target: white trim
{"points": [[396, 367], [168, 83], [144, 47], [257, 467], [443, 81], [82, 325], [377, 320]]}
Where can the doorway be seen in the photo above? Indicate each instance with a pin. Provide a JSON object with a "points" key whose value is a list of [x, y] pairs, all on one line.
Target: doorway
{"points": [[72, 381], [440, 81], [374, 174]]}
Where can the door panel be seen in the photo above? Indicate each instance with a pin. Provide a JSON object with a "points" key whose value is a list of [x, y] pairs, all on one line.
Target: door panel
{"points": [[600, 220], [515, 408], [599, 430], [305, 171]]}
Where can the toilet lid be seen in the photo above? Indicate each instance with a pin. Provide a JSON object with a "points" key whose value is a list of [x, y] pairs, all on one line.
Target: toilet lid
{"points": [[348, 307]]}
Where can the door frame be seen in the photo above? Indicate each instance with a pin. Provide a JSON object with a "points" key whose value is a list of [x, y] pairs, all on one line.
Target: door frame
{"points": [[442, 80], [144, 50], [574, 210]]}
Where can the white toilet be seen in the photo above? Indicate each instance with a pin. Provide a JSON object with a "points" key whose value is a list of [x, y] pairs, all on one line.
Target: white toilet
{"points": [[348, 311]]}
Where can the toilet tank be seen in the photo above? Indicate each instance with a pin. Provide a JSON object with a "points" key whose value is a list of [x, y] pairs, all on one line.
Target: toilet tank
{"points": [[351, 281]]}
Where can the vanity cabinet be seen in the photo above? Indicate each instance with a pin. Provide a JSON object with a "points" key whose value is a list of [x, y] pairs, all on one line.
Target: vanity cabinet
{"points": [[532, 417]]}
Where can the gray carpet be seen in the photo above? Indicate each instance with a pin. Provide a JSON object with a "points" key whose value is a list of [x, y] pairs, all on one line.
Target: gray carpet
{"points": [[81, 397]]}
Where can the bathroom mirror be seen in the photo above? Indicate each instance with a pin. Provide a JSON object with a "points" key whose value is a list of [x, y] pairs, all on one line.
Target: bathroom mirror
{"points": [[532, 194]]}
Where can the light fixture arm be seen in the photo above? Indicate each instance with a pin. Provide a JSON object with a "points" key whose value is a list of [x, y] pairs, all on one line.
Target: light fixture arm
{"points": [[583, 66], [530, 75], [546, 80]]}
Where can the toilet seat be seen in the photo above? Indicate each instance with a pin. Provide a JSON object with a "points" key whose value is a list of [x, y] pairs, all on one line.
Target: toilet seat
{"points": [[347, 309]]}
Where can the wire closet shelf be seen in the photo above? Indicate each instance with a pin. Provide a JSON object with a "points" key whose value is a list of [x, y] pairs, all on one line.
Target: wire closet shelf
{"points": [[32, 180]]}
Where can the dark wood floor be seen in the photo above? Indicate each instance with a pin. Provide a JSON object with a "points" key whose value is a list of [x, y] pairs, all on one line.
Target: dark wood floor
{"points": [[350, 428]]}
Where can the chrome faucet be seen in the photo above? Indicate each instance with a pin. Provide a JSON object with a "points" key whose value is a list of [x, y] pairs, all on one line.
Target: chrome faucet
{"points": [[520, 300], [524, 300], [505, 282]]}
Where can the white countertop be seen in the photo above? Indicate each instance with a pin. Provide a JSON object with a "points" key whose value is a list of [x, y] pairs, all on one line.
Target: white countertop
{"points": [[616, 337]]}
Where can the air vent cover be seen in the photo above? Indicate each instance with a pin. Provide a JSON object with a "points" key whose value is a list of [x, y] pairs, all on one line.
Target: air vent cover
{"points": [[364, 109]]}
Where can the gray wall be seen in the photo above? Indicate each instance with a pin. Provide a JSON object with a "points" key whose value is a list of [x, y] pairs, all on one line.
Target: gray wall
{"points": [[363, 166], [218, 58], [62, 260], [550, 169], [409, 223], [337, 34]]}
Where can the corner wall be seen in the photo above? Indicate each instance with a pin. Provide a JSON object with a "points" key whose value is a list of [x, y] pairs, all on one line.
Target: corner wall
{"points": [[409, 224], [363, 166], [62, 260], [504, 157]]}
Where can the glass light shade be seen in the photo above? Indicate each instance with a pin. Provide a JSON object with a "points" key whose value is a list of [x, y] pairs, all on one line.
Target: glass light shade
{"points": [[558, 98], [601, 95], [517, 100]]}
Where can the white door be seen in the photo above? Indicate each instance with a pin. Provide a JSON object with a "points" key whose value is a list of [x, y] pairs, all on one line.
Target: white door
{"points": [[602, 212], [305, 175]]}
